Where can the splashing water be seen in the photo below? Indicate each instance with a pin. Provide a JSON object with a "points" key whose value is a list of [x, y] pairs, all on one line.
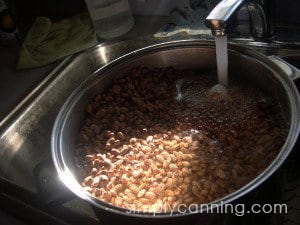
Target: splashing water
{"points": [[222, 59]]}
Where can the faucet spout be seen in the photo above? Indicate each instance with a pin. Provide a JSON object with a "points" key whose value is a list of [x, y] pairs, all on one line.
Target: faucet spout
{"points": [[219, 16]]}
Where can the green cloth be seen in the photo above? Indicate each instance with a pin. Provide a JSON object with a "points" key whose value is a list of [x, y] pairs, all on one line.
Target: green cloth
{"points": [[46, 41]]}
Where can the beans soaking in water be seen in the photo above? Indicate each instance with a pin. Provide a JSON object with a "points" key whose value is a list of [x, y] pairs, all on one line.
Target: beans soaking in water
{"points": [[159, 136]]}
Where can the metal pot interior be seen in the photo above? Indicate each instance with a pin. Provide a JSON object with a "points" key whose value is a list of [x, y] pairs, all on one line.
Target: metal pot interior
{"points": [[242, 63]]}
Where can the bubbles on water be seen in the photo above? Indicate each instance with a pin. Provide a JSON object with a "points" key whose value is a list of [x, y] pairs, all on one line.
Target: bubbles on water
{"points": [[223, 113], [219, 93]]}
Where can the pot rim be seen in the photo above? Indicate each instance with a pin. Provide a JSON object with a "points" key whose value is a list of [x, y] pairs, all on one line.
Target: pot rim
{"points": [[65, 174]]}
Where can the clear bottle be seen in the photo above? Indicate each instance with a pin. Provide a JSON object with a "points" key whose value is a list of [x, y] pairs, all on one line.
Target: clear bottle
{"points": [[111, 18]]}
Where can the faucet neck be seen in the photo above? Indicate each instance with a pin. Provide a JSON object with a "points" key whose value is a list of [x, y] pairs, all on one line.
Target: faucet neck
{"points": [[260, 14]]}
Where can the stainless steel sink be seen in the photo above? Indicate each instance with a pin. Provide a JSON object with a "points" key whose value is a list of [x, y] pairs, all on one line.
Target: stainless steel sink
{"points": [[25, 132]]}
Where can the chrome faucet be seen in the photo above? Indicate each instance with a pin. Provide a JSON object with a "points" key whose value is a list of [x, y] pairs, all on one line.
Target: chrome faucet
{"points": [[219, 17]]}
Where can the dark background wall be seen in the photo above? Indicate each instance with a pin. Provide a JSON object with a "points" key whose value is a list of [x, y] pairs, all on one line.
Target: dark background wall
{"points": [[287, 11]]}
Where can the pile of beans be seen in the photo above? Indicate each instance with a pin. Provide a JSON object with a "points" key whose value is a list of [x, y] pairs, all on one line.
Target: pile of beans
{"points": [[158, 137]]}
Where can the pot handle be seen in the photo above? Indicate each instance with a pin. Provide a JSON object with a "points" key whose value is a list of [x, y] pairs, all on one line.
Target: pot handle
{"points": [[290, 70]]}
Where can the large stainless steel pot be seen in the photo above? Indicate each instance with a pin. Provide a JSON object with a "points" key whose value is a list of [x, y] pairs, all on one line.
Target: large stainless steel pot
{"points": [[271, 75]]}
